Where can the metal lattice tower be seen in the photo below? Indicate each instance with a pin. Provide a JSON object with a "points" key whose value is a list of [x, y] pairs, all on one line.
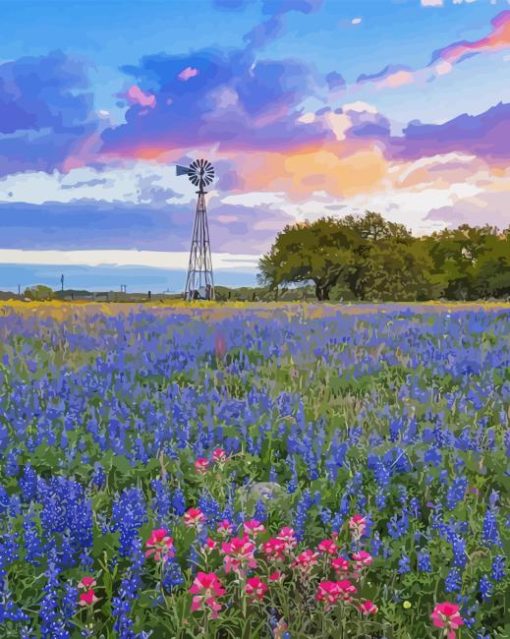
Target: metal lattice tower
{"points": [[199, 281]]}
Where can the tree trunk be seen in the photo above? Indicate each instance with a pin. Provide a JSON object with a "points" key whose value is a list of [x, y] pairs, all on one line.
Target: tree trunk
{"points": [[321, 292]]}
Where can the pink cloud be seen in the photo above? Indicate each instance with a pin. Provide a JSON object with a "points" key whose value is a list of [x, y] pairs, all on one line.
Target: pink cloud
{"points": [[187, 73], [498, 38], [137, 96]]}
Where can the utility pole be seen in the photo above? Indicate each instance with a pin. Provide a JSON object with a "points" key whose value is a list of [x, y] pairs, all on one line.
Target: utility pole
{"points": [[62, 282]]}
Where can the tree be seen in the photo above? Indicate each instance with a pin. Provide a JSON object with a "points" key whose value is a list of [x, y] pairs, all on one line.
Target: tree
{"points": [[321, 252], [391, 272], [455, 254], [39, 293]]}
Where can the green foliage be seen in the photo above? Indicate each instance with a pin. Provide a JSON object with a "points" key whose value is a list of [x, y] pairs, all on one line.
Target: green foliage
{"points": [[39, 293], [369, 258]]}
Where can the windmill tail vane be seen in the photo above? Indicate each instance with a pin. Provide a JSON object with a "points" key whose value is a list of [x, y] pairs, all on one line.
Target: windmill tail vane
{"points": [[199, 280]]}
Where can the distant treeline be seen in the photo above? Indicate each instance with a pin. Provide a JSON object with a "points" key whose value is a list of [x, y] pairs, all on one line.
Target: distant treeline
{"points": [[368, 258]]}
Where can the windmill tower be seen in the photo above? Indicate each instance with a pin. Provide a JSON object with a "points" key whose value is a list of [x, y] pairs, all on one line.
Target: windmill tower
{"points": [[199, 282]]}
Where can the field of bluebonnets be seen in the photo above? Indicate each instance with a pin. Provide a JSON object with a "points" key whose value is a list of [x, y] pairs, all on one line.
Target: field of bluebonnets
{"points": [[254, 472]]}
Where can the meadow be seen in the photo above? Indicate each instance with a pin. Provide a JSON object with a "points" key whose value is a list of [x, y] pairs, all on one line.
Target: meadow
{"points": [[272, 471]]}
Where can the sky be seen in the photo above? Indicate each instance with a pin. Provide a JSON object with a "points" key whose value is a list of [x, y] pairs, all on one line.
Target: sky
{"points": [[305, 107]]}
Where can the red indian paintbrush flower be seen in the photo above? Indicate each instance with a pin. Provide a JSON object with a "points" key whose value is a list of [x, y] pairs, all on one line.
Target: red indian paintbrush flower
{"points": [[256, 588], [368, 608], [358, 525], [225, 528], [253, 527], [361, 559], [201, 465], [194, 518], [87, 598], [160, 545], [327, 547], [219, 456], [239, 555], [86, 583], [446, 615], [288, 536], [274, 548], [206, 589], [305, 561], [341, 565]]}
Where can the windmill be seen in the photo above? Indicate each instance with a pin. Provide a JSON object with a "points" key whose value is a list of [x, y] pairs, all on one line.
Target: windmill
{"points": [[199, 282]]}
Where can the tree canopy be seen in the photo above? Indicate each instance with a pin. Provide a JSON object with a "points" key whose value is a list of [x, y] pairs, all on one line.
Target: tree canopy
{"points": [[376, 260]]}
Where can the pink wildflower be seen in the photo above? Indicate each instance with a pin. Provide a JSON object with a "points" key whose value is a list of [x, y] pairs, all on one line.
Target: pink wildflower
{"points": [[209, 545], [274, 548], [446, 615], [219, 456], [361, 559], [253, 527], [368, 608], [225, 528], [194, 518], [306, 560], [159, 545], [86, 583], [327, 547], [347, 589], [256, 588], [276, 576], [341, 565], [288, 536], [201, 465], [239, 555], [206, 589], [87, 598], [358, 525], [220, 346], [328, 592]]}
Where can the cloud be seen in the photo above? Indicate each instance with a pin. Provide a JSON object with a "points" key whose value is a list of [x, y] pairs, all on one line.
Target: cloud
{"points": [[498, 38], [443, 60], [92, 224], [46, 114], [267, 31], [485, 135], [392, 76], [335, 81], [484, 208], [233, 102], [432, 3]]}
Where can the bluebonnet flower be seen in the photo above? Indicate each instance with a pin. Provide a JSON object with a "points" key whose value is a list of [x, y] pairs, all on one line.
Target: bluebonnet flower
{"points": [[11, 466], [178, 502], [260, 512], [172, 575], [404, 565], [52, 624], [453, 581], [380, 499], [456, 492], [490, 532], [485, 587], [301, 515], [498, 568], [423, 561], [34, 548], [128, 516], [459, 551], [398, 526], [98, 478], [128, 591]]}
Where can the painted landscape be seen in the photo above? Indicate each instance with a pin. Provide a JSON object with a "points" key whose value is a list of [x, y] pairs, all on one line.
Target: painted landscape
{"points": [[255, 319]]}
